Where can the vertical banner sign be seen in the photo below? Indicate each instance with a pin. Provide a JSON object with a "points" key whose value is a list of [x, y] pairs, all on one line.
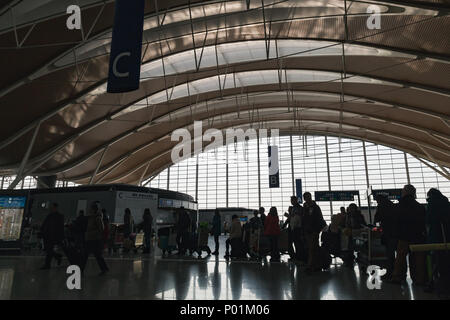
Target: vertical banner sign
{"points": [[126, 46], [298, 190], [274, 173]]}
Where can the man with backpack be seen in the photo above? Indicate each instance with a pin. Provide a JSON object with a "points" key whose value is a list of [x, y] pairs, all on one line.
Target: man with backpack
{"points": [[216, 230], [312, 224]]}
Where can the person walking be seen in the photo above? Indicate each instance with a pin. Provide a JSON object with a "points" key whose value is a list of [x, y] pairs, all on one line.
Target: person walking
{"points": [[411, 230], [272, 231], [94, 238], [147, 223], [79, 229], [52, 231], [386, 216], [312, 224], [216, 230]]}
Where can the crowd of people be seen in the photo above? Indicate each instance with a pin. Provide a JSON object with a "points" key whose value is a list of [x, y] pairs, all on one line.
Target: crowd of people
{"points": [[403, 224], [88, 235]]}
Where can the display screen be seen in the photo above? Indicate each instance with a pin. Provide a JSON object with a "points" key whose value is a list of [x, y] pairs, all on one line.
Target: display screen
{"points": [[11, 215]]}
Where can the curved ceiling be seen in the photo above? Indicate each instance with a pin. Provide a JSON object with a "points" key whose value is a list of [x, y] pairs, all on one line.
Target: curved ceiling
{"points": [[304, 67]]}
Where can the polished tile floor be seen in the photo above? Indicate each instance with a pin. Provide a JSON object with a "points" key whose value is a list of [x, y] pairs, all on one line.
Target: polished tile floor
{"points": [[134, 276]]}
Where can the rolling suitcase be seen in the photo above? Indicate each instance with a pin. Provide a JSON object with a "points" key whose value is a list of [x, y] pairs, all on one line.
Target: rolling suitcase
{"points": [[324, 258]]}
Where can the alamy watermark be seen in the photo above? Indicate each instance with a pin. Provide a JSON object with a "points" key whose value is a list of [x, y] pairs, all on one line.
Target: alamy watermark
{"points": [[74, 20], [374, 279], [183, 150]]}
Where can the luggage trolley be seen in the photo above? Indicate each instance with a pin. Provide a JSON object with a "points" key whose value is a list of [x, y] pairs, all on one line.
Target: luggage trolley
{"points": [[369, 248]]}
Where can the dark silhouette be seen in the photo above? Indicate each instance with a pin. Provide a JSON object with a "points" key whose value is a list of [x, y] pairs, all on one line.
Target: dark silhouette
{"points": [[52, 231]]}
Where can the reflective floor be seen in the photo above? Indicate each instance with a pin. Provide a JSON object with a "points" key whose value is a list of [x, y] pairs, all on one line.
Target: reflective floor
{"points": [[134, 276]]}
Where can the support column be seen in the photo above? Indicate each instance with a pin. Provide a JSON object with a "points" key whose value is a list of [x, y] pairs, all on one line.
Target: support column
{"points": [[196, 178], [367, 180], [328, 172], [292, 166], [20, 171], [168, 178], [407, 168], [259, 174], [226, 178]]}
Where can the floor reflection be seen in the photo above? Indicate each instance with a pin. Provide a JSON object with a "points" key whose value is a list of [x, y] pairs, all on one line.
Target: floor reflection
{"points": [[193, 279]]}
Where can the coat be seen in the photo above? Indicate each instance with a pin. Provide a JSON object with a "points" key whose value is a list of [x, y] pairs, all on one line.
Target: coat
{"points": [[236, 229], [272, 225], [95, 228], [411, 220], [387, 216], [52, 228], [438, 216], [312, 221]]}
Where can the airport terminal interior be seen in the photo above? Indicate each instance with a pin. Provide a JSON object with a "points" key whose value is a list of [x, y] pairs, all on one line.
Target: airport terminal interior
{"points": [[233, 123]]}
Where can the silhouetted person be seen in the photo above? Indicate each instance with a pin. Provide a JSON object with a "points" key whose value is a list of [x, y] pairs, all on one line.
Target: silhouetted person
{"points": [[183, 228], [272, 230], [147, 224], [411, 230], [106, 231], [128, 224], [52, 231], [386, 215], [354, 220], [235, 234], [256, 230], [216, 230], [262, 215], [94, 238], [79, 229], [295, 226], [312, 224]]}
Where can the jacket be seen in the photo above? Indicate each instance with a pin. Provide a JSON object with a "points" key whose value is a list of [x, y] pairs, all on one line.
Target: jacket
{"points": [[256, 224], [386, 215], [95, 228], [411, 220], [80, 225], [236, 229], [355, 220], [184, 222], [271, 225], [438, 217], [313, 221], [52, 228], [216, 225]]}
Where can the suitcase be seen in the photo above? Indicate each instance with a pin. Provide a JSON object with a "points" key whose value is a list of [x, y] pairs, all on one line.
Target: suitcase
{"points": [[324, 258], [283, 241]]}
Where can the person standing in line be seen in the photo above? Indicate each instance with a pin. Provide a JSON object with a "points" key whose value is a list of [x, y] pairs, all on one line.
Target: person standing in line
{"points": [[147, 223], [287, 224], [235, 234], [216, 230], [256, 230], [52, 231], [272, 230], [312, 224], [128, 224], [183, 228], [94, 238], [262, 215], [411, 229], [296, 230], [386, 216]]}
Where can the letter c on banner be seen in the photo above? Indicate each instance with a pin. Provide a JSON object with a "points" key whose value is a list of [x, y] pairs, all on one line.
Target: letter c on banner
{"points": [[116, 60]]}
